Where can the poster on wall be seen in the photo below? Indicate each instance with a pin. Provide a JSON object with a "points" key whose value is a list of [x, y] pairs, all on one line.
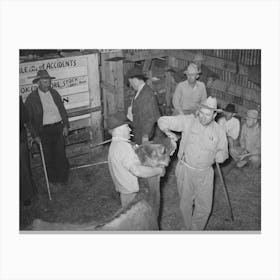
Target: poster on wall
{"points": [[71, 79]]}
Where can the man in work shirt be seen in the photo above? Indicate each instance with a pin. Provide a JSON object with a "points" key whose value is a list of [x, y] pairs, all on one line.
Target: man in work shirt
{"points": [[250, 142], [144, 111], [49, 119], [124, 165], [231, 125], [203, 142], [188, 94]]}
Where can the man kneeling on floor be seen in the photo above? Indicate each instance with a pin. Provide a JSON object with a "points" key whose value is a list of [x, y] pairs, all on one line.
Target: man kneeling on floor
{"points": [[124, 165], [203, 142]]}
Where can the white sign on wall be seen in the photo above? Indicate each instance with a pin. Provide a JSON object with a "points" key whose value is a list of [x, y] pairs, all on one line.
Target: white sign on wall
{"points": [[71, 79]]}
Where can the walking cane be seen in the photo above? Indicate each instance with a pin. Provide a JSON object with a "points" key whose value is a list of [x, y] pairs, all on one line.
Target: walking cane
{"points": [[45, 169], [225, 190]]}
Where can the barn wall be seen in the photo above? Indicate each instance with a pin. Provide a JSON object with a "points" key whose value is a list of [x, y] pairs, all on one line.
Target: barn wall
{"points": [[233, 68]]}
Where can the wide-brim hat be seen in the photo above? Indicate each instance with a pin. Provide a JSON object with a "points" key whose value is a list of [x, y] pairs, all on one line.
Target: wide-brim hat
{"points": [[211, 104], [136, 72], [198, 57], [230, 108], [116, 119], [42, 74], [191, 69]]}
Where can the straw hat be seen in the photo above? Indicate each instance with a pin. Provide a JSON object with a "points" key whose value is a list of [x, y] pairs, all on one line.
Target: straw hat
{"points": [[191, 69], [211, 104]]}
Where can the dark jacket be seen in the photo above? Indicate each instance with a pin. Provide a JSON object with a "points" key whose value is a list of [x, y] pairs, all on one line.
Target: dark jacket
{"points": [[145, 113], [23, 119], [35, 109]]}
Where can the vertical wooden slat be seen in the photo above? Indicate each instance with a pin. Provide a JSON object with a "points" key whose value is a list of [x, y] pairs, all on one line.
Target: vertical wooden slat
{"points": [[94, 94]]}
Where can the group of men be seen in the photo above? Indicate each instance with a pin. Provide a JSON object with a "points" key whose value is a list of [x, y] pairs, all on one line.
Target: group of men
{"points": [[203, 140]]}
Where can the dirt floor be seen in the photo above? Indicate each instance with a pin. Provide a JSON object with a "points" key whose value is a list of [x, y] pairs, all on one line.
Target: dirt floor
{"points": [[90, 195]]}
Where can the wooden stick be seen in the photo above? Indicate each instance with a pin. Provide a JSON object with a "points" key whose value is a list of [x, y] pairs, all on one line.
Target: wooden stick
{"points": [[225, 190], [88, 165], [45, 169]]}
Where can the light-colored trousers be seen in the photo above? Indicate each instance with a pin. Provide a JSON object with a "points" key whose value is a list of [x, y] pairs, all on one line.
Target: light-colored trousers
{"points": [[195, 187], [126, 198]]}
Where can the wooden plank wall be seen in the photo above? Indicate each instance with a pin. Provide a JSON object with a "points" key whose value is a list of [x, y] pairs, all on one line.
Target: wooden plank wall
{"points": [[112, 83], [230, 88]]}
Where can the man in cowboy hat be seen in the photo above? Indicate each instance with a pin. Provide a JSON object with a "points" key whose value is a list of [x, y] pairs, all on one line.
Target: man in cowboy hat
{"points": [[143, 111], [188, 94], [250, 142], [50, 121], [230, 124], [203, 142], [124, 165]]}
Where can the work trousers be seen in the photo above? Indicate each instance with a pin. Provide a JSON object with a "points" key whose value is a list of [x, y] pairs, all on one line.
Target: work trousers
{"points": [[195, 188], [27, 186], [127, 198], [53, 144]]}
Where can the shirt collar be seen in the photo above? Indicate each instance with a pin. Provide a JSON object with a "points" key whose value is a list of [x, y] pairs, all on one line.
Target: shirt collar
{"points": [[195, 86], [140, 88], [42, 93]]}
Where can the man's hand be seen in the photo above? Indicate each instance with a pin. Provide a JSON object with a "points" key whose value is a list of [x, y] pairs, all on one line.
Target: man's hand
{"points": [[65, 131], [145, 138], [37, 139], [171, 135], [162, 172]]}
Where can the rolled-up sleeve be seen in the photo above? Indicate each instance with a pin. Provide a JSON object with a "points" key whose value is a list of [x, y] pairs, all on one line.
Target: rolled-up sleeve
{"points": [[222, 147], [175, 123]]}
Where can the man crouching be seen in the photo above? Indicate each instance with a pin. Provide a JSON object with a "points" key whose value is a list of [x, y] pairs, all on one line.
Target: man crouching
{"points": [[124, 164]]}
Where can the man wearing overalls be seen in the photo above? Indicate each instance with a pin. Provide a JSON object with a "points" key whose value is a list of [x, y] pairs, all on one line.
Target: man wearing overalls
{"points": [[203, 142]]}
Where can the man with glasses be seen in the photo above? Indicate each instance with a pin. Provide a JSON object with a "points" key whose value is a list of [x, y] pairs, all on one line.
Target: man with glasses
{"points": [[203, 142]]}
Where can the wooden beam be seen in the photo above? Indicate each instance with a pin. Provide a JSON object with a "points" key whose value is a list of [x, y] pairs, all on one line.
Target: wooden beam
{"points": [[83, 111], [210, 61], [147, 65], [147, 54]]}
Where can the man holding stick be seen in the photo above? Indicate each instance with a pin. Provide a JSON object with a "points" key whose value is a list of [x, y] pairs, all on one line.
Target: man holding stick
{"points": [[203, 142], [49, 119]]}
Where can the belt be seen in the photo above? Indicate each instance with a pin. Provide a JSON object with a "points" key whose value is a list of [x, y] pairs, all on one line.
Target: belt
{"points": [[51, 124], [194, 168]]}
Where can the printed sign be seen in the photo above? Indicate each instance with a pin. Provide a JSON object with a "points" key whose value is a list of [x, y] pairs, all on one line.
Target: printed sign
{"points": [[71, 79]]}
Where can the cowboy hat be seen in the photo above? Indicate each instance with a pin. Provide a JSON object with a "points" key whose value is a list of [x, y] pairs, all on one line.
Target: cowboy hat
{"points": [[116, 119], [136, 72], [211, 104], [230, 108], [198, 57], [191, 69], [42, 74]]}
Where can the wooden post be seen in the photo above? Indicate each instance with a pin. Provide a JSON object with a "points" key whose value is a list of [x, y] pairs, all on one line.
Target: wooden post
{"points": [[96, 134]]}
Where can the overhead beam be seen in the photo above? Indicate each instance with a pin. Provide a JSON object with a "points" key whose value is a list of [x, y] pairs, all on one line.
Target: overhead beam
{"points": [[147, 54], [210, 61]]}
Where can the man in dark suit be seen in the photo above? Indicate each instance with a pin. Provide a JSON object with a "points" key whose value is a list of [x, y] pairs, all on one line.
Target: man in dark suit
{"points": [[144, 111], [49, 119]]}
